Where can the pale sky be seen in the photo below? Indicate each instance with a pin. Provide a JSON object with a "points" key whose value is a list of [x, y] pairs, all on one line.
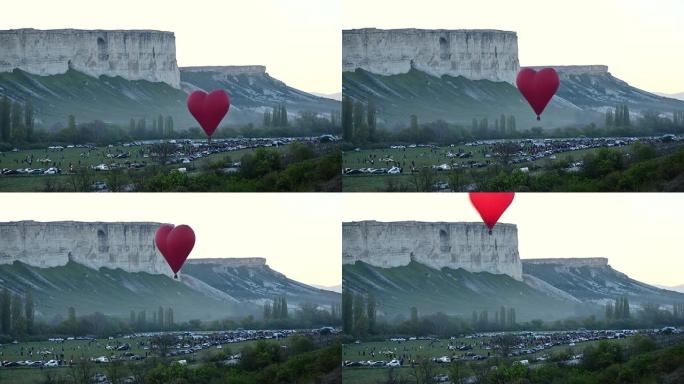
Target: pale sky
{"points": [[299, 234], [640, 40], [299, 41], [640, 234]]}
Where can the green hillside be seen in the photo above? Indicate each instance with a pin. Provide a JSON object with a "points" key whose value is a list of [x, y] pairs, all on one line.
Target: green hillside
{"points": [[110, 99], [600, 282], [112, 292], [257, 283], [452, 99], [454, 292], [253, 92]]}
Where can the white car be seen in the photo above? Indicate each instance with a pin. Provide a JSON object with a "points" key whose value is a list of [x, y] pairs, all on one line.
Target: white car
{"points": [[394, 363], [51, 363], [102, 359]]}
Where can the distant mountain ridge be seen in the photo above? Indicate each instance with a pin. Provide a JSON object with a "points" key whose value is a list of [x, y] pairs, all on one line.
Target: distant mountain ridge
{"points": [[551, 288]]}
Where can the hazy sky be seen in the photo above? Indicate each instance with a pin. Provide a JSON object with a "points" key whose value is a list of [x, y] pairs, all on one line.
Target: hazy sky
{"points": [[299, 234], [298, 41], [640, 234], [640, 40]]}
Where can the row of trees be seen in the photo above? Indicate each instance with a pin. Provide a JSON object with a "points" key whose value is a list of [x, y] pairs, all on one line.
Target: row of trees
{"points": [[276, 310], [276, 117], [618, 117], [359, 121], [359, 314], [17, 122], [503, 127], [161, 319], [503, 319], [162, 128], [618, 310], [16, 314]]}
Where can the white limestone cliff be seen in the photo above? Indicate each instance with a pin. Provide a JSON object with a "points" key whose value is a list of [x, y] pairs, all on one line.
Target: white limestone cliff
{"points": [[131, 54], [129, 246], [435, 244], [568, 70], [229, 70], [571, 262], [473, 54]]}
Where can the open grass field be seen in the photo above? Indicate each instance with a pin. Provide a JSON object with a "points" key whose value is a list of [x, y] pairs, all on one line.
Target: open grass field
{"points": [[84, 157], [426, 157], [47, 350], [418, 349]]}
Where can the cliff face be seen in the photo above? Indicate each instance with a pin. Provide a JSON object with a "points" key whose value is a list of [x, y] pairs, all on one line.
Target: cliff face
{"points": [[129, 246], [437, 245], [473, 54], [133, 55], [571, 262], [229, 70], [566, 70]]}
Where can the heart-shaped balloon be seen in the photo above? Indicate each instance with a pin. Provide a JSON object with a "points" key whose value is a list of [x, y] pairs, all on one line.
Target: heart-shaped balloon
{"points": [[175, 244], [538, 87], [209, 109], [491, 205]]}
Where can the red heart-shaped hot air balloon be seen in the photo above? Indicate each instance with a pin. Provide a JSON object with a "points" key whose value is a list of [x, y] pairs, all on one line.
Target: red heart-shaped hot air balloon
{"points": [[209, 109], [538, 87], [491, 205], [175, 244]]}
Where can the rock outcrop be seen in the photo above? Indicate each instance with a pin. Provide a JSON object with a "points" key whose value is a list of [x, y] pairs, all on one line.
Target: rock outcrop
{"points": [[473, 54], [435, 244], [129, 246], [571, 262], [229, 70], [251, 262], [131, 54], [576, 69]]}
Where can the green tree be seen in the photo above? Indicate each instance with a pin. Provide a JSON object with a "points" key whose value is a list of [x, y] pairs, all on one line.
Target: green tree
{"points": [[371, 119], [347, 119], [283, 116], [71, 125], [131, 318], [610, 118], [371, 312], [283, 308], [18, 321], [5, 123], [267, 118], [168, 127], [6, 319], [360, 126], [160, 317], [30, 311], [267, 311], [360, 320], [29, 121], [168, 321], [160, 126], [347, 309], [17, 129], [511, 317]]}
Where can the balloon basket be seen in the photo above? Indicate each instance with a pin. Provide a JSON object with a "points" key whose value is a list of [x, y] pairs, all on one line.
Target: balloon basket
{"points": [[175, 276], [538, 118]]}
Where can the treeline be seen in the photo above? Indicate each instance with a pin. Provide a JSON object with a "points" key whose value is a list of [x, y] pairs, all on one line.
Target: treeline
{"points": [[359, 319], [162, 319], [17, 122], [641, 169], [360, 128], [17, 314], [300, 360]]}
